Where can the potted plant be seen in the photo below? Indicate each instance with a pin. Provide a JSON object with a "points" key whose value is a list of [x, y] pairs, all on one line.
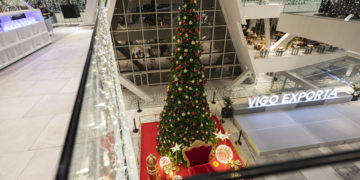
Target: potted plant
{"points": [[356, 93], [227, 111]]}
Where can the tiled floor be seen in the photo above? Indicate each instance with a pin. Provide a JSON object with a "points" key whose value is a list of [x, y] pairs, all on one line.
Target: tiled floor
{"points": [[36, 99]]}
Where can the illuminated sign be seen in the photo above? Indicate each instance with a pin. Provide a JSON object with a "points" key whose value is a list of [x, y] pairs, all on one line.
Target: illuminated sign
{"points": [[291, 98]]}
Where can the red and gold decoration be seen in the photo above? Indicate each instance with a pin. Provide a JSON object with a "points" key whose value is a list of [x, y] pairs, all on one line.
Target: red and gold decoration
{"points": [[148, 145], [152, 167], [186, 116]]}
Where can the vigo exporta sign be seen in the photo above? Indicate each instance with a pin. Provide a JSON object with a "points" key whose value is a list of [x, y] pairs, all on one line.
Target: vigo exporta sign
{"points": [[291, 98]]}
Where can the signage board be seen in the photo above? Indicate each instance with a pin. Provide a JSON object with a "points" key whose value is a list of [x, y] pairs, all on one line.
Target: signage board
{"points": [[292, 98]]}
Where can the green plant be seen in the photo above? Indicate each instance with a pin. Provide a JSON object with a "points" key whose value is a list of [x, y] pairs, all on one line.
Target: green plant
{"points": [[227, 101], [356, 88]]}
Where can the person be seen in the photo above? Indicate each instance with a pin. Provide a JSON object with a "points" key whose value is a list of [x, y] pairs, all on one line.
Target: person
{"points": [[44, 11]]}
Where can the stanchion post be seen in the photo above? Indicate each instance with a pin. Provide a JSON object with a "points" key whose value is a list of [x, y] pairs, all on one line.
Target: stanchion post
{"points": [[139, 110], [136, 130], [213, 100], [239, 141]]}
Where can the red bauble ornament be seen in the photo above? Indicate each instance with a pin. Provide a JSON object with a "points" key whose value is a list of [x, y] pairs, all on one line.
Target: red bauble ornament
{"points": [[197, 16], [191, 75], [196, 94], [193, 104], [192, 132], [180, 34], [194, 124], [181, 81], [181, 135], [195, 70], [177, 29], [184, 22], [190, 11], [185, 107], [181, 41], [198, 112], [196, 53], [185, 63], [185, 54], [202, 131], [210, 132], [196, 30], [176, 50], [187, 40], [190, 31], [186, 103], [180, 11], [204, 101], [192, 1], [183, 30], [179, 75], [197, 83], [180, 66], [193, 113], [188, 120]]}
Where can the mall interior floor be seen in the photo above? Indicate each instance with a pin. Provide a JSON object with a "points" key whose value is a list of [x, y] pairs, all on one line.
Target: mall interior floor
{"points": [[36, 98]]}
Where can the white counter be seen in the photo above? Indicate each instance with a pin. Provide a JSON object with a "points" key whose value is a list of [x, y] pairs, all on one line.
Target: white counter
{"points": [[20, 42]]}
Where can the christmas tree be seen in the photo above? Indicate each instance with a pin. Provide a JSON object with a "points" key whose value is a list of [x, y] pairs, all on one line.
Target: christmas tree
{"points": [[185, 116]]}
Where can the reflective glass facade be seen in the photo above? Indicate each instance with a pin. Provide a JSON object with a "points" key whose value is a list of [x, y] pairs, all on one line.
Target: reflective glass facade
{"points": [[142, 32]]}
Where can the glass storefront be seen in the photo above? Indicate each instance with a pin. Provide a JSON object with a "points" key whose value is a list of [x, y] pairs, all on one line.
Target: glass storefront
{"points": [[142, 32]]}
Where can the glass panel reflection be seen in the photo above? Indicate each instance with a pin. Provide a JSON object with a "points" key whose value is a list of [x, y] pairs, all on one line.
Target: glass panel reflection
{"points": [[206, 33], [219, 33], [218, 46], [229, 58], [153, 64], [149, 21], [227, 71], [125, 66], [133, 21], [118, 23], [131, 6], [206, 45], [208, 5], [154, 78], [135, 37], [216, 59], [207, 18], [150, 36], [122, 53], [215, 73], [164, 20], [120, 38], [139, 65]]}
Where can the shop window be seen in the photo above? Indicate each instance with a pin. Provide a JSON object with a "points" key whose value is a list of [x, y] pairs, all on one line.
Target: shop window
{"points": [[149, 21], [153, 64], [150, 36], [227, 71], [125, 66], [205, 59], [163, 5], [228, 36], [206, 33], [219, 18], [218, 46], [207, 73], [154, 78], [208, 5], [133, 21], [229, 58], [165, 36], [164, 20], [219, 33], [165, 50], [207, 18], [130, 77], [135, 37], [164, 63], [139, 65], [118, 23], [206, 45], [215, 73], [165, 77], [151, 51], [229, 46], [176, 5], [216, 59], [237, 71], [122, 53], [119, 8], [147, 5], [175, 19], [120, 38], [131, 6], [137, 52]]}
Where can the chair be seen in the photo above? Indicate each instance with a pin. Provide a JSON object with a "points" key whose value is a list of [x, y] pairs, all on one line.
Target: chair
{"points": [[197, 157]]}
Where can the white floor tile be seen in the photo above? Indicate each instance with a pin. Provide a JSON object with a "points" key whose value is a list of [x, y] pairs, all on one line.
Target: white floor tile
{"points": [[53, 105], [11, 108], [45, 87], [13, 164], [14, 89], [72, 86], [20, 134], [54, 133], [43, 165]]}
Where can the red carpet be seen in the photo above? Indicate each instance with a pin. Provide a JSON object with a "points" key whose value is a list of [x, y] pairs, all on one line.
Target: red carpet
{"points": [[148, 145]]}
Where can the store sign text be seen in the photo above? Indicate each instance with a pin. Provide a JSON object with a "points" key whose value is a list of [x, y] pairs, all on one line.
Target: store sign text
{"points": [[291, 98]]}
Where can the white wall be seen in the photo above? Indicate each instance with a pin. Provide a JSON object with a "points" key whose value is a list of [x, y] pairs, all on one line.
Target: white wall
{"points": [[332, 31], [262, 11], [286, 63]]}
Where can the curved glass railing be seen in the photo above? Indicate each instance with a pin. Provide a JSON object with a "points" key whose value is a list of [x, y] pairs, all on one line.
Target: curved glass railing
{"points": [[98, 143]]}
